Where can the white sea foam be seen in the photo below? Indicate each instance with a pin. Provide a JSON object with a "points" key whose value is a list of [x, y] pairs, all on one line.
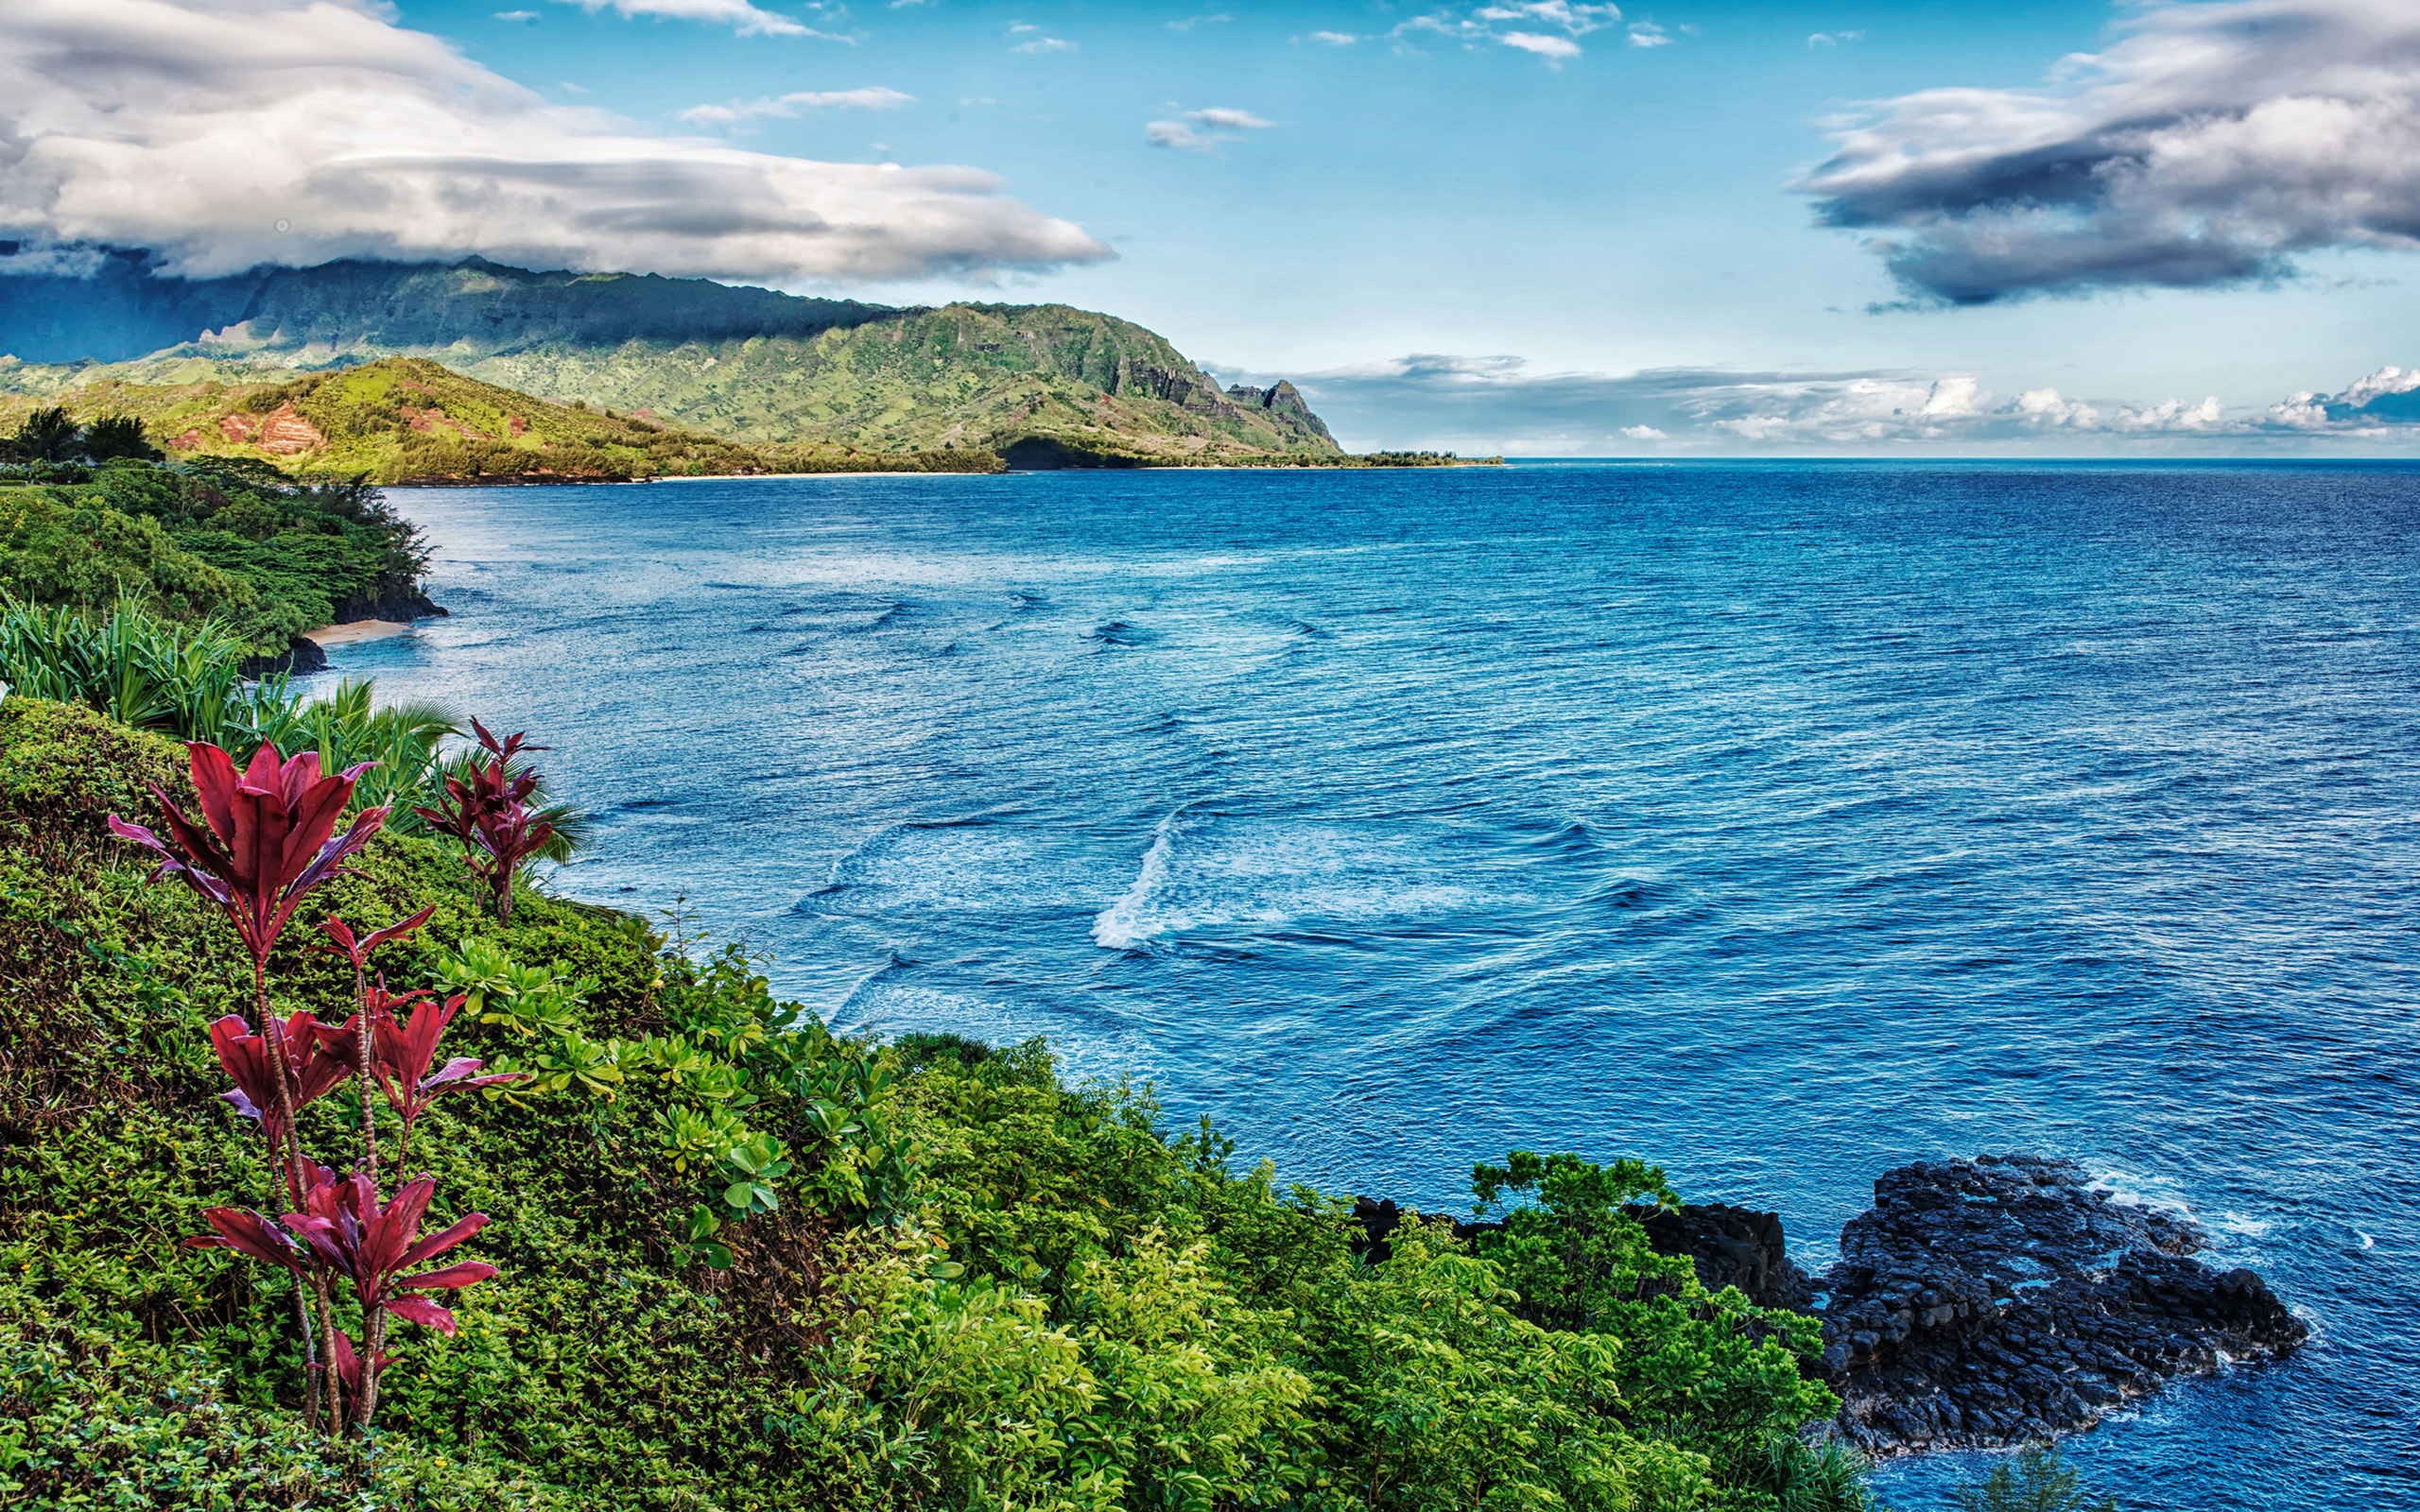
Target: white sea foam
{"points": [[1211, 873]]}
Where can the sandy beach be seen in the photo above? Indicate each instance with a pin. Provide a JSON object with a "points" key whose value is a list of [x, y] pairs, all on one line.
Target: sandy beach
{"points": [[347, 635]]}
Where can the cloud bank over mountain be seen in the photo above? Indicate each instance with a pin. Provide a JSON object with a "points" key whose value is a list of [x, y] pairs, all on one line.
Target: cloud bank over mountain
{"points": [[223, 134], [2207, 147], [1488, 404]]}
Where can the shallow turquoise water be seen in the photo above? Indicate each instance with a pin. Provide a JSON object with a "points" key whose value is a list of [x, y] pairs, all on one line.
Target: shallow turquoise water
{"points": [[1781, 822]]}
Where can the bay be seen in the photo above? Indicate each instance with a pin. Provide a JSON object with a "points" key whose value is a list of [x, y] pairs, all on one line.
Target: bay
{"points": [[1780, 822]]}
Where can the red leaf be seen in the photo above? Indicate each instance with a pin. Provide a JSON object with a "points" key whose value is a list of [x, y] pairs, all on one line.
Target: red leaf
{"points": [[453, 1277], [421, 1309], [247, 1233], [437, 1244]]}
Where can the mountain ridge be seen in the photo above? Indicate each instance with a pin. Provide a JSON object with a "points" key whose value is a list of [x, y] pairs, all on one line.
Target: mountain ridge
{"points": [[754, 365]]}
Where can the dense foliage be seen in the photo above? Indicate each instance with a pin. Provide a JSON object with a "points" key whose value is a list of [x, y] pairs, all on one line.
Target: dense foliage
{"points": [[404, 420], [220, 539], [746, 1263]]}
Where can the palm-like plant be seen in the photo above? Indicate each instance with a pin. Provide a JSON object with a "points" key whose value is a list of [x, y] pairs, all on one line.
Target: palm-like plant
{"points": [[487, 810], [269, 840]]}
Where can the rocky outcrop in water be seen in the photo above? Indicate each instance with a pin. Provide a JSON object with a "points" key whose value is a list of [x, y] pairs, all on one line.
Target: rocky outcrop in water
{"points": [[301, 657], [399, 604], [1979, 1304], [1991, 1301]]}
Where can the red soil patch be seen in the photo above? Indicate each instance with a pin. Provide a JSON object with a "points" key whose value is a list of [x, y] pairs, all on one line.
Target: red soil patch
{"points": [[516, 425], [282, 433], [429, 419], [185, 442]]}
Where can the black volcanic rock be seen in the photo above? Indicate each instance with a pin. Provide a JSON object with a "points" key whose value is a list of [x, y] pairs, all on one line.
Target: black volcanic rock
{"points": [[1986, 1302], [302, 657], [399, 604]]}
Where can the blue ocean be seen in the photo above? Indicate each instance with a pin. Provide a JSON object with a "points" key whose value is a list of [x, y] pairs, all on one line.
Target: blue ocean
{"points": [[1780, 822]]}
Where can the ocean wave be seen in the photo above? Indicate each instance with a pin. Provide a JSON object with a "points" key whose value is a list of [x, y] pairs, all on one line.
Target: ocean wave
{"points": [[1213, 873], [1118, 632]]}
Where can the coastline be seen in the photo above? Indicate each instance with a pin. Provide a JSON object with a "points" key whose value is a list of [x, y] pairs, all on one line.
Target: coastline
{"points": [[353, 632]]}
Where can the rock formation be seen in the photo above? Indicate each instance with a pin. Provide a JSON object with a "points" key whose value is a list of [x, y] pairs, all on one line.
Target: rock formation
{"points": [[1979, 1304], [1986, 1302]]}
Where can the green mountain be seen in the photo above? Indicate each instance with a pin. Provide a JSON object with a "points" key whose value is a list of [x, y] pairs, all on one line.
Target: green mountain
{"points": [[408, 419], [750, 365]]}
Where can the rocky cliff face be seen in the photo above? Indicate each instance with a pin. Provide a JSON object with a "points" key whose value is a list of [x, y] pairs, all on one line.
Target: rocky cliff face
{"points": [[1986, 1302], [1284, 405]]}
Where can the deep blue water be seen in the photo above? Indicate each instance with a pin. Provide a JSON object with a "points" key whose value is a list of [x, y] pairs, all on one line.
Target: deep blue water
{"points": [[1780, 822]]}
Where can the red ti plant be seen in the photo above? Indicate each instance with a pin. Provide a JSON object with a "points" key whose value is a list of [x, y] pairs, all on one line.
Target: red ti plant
{"points": [[349, 1233], [311, 1068], [492, 817], [402, 1050], [357, 951], [270, 838], [345, 1231]]}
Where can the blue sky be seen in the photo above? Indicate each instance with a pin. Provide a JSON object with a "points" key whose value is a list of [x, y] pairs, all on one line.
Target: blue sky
{"points": [[1477, 225]]}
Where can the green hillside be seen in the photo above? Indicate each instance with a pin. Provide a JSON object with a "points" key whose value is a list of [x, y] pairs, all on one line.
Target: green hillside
{"points": [[751, 364], [410, 420]]}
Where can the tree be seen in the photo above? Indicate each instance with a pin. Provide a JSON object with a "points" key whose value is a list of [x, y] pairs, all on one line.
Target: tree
{"points": [[49, 436], [117, 435]]}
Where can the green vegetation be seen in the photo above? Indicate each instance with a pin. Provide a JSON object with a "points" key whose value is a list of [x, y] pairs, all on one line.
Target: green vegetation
{"points": [[412, 420], [746, 1263], [187, 682], [2034, 1479], [229, 539]]}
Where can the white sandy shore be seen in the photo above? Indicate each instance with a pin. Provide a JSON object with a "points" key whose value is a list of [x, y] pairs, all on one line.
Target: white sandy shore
{"points": [[356, 631]]}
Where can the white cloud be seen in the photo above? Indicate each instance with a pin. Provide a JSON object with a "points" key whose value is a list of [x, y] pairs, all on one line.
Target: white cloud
{"points": [[1334, 38], [1833, 39], [1191, 22], [1545, 46], [516, 15], [1226, 117], [1035, 42], [746, 19], [1217, 120], [874, 99], [1648, 34], [2379, 385], [1494, 404], [1178, 135], [1522, 24], [2207, 146], [227, 133]]}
